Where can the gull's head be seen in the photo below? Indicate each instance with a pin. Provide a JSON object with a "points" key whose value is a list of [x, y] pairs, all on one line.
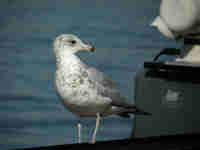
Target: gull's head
{"points": [[70, 43], [161, 25]]}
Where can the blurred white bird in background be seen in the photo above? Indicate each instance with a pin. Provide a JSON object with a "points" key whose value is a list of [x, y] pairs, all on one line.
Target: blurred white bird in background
{"points": [[179, 19]]}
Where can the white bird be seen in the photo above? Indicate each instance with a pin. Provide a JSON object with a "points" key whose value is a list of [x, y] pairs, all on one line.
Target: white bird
{"points": [[179, 19], [83, 90]]}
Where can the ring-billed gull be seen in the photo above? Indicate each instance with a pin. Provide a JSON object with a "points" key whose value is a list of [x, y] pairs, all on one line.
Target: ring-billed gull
{"points": [[83, 90]]}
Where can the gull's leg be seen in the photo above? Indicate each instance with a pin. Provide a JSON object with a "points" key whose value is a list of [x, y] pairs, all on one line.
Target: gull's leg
{"points": [[96, 129], [79, 131]]}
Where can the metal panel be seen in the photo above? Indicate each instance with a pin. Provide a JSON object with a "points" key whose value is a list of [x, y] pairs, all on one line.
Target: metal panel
{"points": [[174, 105]]}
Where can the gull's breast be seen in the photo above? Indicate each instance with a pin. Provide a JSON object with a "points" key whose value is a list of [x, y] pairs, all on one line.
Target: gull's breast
{"points": [[78, 93]]}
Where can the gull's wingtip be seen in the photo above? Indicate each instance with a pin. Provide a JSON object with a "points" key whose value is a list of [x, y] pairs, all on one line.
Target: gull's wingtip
{"points": [[143, 113]]}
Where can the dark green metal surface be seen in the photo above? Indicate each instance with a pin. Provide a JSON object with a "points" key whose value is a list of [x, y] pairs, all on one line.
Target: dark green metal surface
{"points": [[174, 103]]}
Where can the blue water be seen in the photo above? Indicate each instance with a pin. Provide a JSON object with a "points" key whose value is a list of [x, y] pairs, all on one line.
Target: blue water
{"points": [[30, 112]]}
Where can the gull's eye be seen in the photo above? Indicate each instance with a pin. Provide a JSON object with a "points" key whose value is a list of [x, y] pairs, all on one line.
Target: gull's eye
{"points": [[72, 42]]}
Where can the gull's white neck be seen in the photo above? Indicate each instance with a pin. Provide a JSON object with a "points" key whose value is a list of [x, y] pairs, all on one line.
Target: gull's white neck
{"points": [[66, 59]]}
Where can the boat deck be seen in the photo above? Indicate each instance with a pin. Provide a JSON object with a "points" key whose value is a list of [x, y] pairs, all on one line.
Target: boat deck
{"points": [[172, 142]]}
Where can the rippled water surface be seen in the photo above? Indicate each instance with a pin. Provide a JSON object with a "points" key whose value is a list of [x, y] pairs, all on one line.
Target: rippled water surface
{"points": [[30, 112]]}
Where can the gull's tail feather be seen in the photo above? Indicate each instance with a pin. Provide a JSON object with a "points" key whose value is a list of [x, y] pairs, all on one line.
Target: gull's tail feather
{"points": [[137, 111], [129, 109], [126, 113]]}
